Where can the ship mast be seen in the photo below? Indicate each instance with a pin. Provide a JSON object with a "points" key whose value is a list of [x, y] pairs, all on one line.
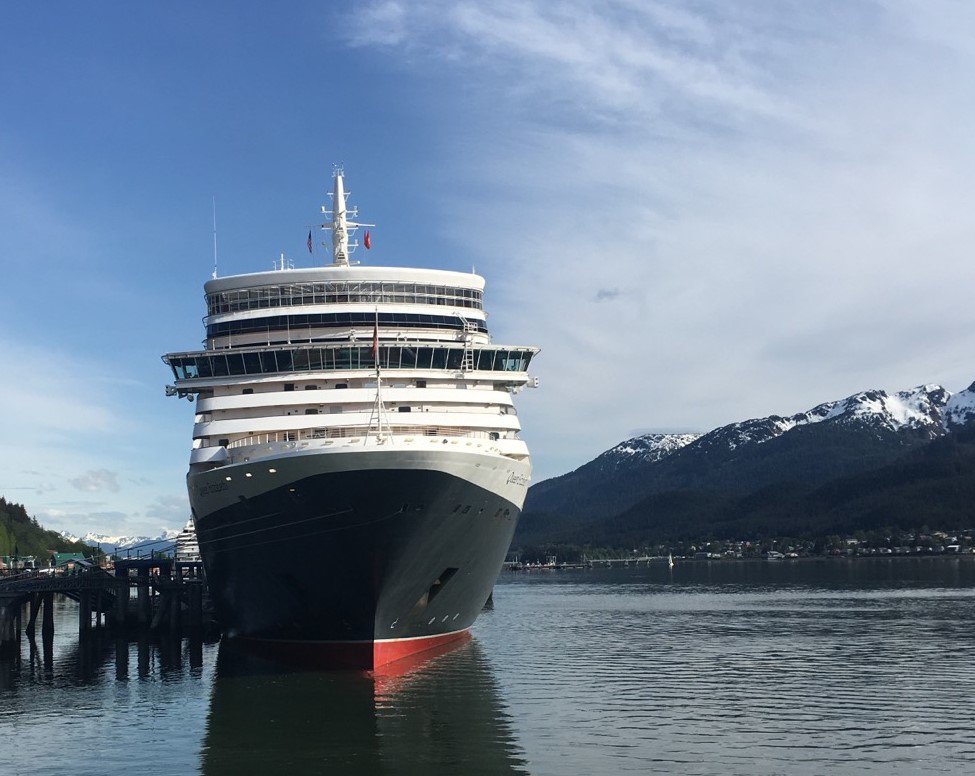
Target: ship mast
{"points": [[340, 224], [383, 430]]}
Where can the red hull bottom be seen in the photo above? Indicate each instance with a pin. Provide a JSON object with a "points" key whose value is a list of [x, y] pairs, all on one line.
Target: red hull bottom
{"points": [[385, 656]]}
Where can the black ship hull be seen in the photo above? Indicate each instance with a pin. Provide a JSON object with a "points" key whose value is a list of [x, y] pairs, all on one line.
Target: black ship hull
{"points": [[357, 567]]}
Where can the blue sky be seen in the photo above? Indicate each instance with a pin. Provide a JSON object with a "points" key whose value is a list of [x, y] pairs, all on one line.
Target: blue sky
{"points": [[701, 211]]}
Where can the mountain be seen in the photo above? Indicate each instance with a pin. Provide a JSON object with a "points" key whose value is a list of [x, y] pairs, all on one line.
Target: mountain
{"points": [[109, 544], [932, 484], [735, 474], [625, 465], [960, 409]]}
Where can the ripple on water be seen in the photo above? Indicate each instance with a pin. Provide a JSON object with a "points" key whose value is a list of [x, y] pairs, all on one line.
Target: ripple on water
{"points": [[756, 680], [739, 668]]}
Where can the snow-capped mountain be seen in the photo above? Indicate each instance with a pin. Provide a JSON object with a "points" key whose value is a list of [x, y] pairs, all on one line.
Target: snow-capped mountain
{"points": [[835, 439], [108, 544], [649, 447], [928, 408], [960, 408], [920, 409]]}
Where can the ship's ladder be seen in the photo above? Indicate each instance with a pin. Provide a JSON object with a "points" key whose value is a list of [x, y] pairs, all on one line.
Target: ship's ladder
{"points": [[467, 362]]}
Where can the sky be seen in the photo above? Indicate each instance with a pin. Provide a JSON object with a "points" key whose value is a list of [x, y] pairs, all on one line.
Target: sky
{"points": [[701, 211]]}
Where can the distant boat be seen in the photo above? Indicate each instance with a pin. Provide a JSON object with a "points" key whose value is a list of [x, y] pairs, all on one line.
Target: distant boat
{"points": [[670, 560]]}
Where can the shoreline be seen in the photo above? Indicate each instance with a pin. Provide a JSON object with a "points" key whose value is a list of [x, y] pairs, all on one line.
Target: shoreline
{"points": [[618, 563]]}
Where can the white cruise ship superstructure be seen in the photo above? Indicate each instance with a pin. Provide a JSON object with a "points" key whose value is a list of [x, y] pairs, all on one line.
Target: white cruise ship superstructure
{"points": [[356, 423]]}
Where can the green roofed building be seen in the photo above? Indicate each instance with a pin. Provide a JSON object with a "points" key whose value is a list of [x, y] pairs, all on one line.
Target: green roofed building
{"points": [[61, 558]]}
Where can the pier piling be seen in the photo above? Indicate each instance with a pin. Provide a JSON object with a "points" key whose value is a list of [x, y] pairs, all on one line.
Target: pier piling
{"points": [[121, 657], [122, 602], [84, 613], [144, 603], [195, 590], [47, 624], [35, 609], [175, 610], [7, 624]]}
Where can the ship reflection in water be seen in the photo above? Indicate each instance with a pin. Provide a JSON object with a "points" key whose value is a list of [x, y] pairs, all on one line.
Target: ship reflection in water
{"points": [[439, 715]]}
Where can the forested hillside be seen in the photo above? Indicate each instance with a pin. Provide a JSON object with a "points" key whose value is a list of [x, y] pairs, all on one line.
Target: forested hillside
{"points": [[22, 535], [930, 486]]}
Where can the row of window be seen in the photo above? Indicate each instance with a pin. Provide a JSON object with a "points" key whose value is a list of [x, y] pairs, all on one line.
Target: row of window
{"points": [[340, 320], [186, 367], [342, 292]]}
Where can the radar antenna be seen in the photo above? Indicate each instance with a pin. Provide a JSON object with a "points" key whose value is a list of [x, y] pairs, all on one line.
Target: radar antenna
{"points": [[340, 225]]}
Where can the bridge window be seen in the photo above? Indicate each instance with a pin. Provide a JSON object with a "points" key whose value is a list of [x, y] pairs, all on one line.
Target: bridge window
{"points": [[294, 294], [317, 359]]}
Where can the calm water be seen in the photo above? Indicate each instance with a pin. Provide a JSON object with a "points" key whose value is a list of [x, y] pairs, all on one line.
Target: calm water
{"points": [[714, 668]]}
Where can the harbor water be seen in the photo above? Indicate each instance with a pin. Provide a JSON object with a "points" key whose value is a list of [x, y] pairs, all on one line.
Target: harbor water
{"points": [[726, 667]]}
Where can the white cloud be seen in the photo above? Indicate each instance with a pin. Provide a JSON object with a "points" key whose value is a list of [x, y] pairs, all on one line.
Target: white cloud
{"points": [[77, 520], [778, 191], [96, 480], [67, 419], [168, 512], [382, 23], [164, 512]]}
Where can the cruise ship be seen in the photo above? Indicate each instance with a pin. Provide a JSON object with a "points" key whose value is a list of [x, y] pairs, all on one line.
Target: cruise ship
{"points": [[356, 471]]}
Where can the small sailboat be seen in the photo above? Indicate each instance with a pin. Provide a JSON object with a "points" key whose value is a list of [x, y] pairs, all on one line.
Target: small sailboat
{"points": [[670, 560]]}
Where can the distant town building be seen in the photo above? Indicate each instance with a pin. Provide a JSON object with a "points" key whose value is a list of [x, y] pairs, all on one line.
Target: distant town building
{"points": [[17, 562], [64, 558]]}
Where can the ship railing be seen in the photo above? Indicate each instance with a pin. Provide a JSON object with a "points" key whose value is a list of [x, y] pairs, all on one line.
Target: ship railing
{"points": [[346, 432]]}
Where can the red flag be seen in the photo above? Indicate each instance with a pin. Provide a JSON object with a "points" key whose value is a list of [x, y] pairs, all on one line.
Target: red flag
{"points": [[309, 241], [375, 339], [367, 241]]}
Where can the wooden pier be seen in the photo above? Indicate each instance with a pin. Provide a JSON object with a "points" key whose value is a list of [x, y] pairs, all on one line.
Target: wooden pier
{"points": [[169, 598]]}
